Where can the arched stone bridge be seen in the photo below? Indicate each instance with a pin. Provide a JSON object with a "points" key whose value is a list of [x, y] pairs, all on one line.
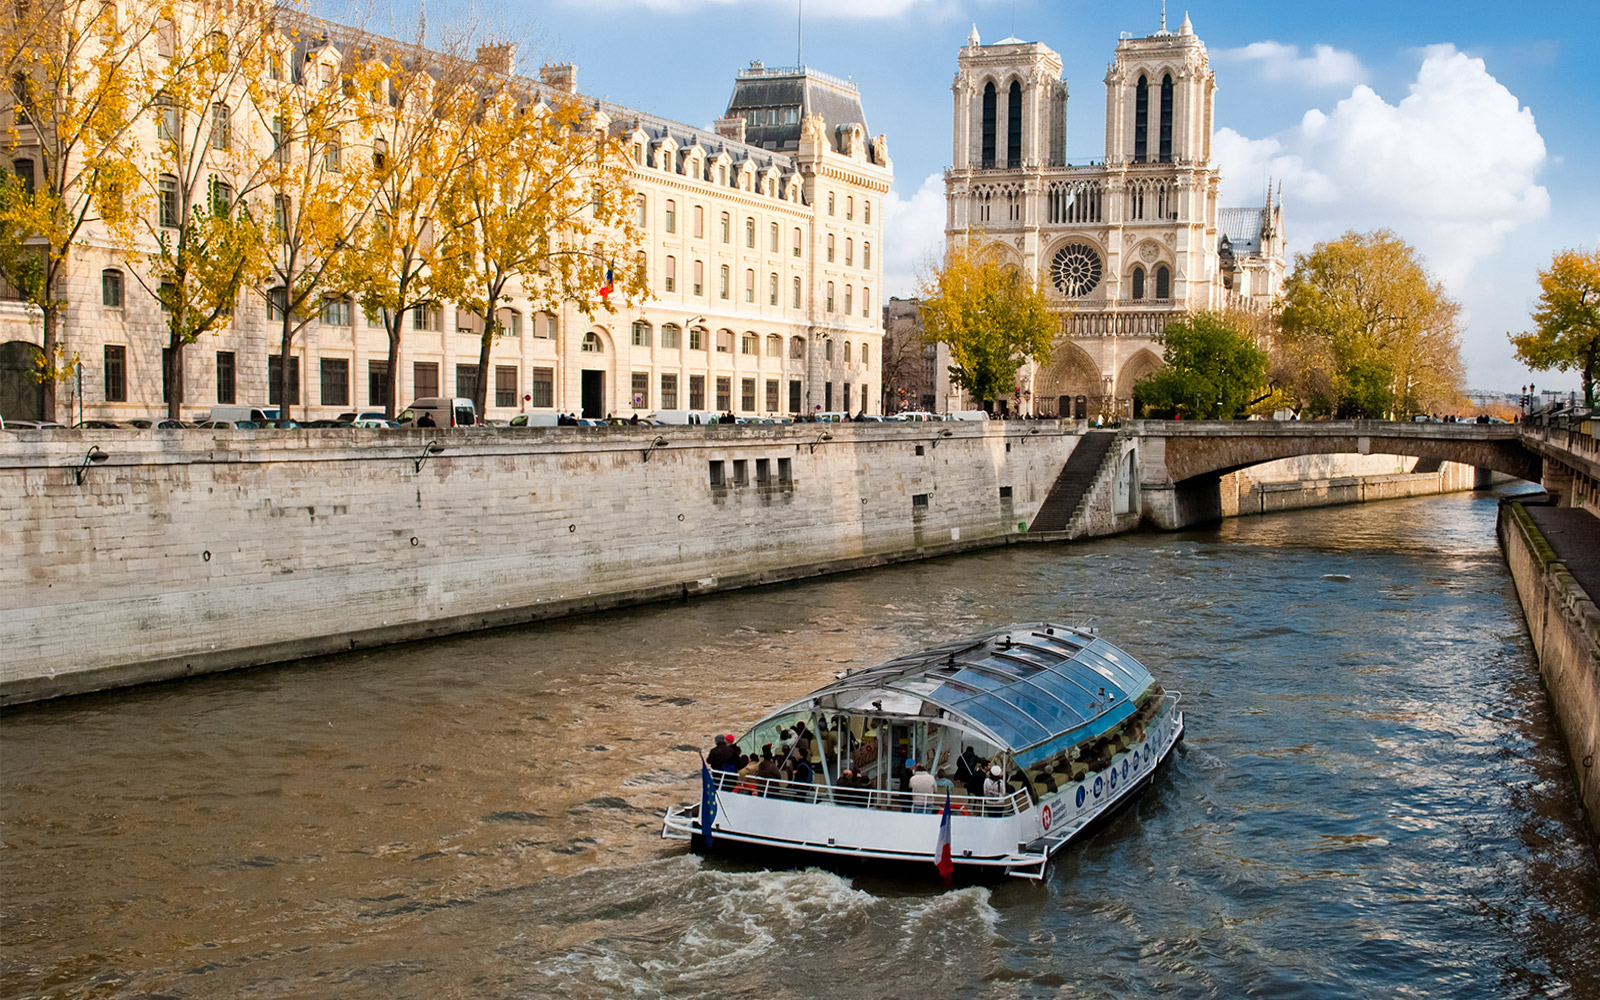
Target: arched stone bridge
{"points": [[1180, 463]]}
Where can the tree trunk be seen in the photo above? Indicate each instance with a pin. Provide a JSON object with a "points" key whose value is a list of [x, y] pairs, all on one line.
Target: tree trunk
{"points": [[284, 412], [174, 371], [481, 396], [392, 391], [47, 387]]}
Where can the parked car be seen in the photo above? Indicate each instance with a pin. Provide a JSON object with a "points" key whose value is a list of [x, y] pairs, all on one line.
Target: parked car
{"points": [[157, 423], [686, 416], [326, 423], [352, 417], [280, 424], [378, 423], [916, 416], [103, 425], [219, 425], [30, 425]]}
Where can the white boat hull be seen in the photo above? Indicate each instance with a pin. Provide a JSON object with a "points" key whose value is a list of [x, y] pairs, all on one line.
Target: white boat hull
{"points": [[1021, 843]]}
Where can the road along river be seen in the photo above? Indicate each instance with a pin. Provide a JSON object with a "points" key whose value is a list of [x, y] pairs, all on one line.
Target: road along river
{"points": [[1371, 800]]}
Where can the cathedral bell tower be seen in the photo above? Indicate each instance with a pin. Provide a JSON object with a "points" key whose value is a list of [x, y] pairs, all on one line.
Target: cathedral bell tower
{"points": [[1010, 106], [1160, 94]]}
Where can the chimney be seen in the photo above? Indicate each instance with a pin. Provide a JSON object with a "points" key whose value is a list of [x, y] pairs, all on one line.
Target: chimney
{"points": [[731, 127], [497, 58], [559, 76]]}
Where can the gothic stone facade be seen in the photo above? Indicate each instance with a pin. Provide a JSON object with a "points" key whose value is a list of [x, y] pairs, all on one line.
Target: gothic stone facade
{"points": [[1121, 245]]}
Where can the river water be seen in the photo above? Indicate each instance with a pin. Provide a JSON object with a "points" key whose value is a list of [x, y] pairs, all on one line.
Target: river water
{"points": [[1371, 800]]}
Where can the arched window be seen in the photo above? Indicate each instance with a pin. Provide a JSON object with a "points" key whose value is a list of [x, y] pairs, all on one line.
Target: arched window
{"points": [[591, 343], [641, 333], [850, 252], [722, 279], [167, 200], [794, 302], [866, 210], [750, 344], [797, 241], [510, 321], [699, 222], [669, 274], [699, 278], [772, 289], [750, 234], [727, 230], [671, 336], [672, 217], [1141, 120], [1014, 126], [849, 300], [1166, 118], [642, 211], [830, 248], [847, 352], [1163, 283], [988, 125], [797, 347], [849, 207], [111, 288], [221, 126], [827, 350], [724, 341], [866, 304], [697, 338], [1138, 283], [774, 346], [866, 255], [772, 238], [749, 286], [829, 299], [830, 202], [864, 355]]}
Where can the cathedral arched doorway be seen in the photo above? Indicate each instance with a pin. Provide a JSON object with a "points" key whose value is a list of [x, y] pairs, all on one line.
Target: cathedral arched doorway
{"points": [[1071, 374], [1141, 366]]}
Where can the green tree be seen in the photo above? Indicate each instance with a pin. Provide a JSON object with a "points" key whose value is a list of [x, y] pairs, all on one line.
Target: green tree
{"points": [[75, 92], [993, 320], [544, 200], [1214, 370], [1370, 333], [1566, 332]]}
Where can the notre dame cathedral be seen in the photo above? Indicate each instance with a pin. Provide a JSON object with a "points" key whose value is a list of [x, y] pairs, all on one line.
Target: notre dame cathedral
{"points": [[1122, 244]]}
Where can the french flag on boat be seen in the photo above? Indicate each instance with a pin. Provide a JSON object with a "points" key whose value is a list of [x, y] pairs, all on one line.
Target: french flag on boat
{"points": [[941, 847]]}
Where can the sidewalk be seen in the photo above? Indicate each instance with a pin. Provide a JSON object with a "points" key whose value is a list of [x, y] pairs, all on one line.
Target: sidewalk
{"points": [[1574, 534]]}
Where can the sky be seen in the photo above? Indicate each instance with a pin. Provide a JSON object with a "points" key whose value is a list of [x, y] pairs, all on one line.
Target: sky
{"points": [[1468, 127]]}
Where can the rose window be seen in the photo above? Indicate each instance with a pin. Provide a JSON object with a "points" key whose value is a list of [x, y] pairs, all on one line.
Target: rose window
{"points": [[1075, 270]]}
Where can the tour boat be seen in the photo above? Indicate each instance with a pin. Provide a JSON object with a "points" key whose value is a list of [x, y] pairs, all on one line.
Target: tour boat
{"points": [[1075, 725]]}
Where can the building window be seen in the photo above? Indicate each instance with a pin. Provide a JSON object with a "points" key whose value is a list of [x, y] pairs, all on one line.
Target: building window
{"points": [[794, 402], [672, 218], [797, 241], [1014, 126], [827, 396], [641, 390], [772, 238], [723, 281], [699, 278], [724, 341], [466, 381], [669, 392], [280, 217], [866, 210], [866, 302], [167, 200], [797, 348], [829, 299], [510, 322], [724, 392], [863, 355], [221, 126], [1138, 283], [641, 333], [1141, 120], [847, 397], [697, 392], [785, 466], [424, 379], [847, 352], [336, 311], [741, 472], [544, 387], [505, 385], [377, 383], [774, 346], [750, 344], [277, 303], [333, 156], [552, 329], [827, 350], [116, 372], [380, 153], [166, 374], [427, 316], [642, 211], [168, 124], [221, 196], [670, 275], [794, 293], [849, 300], [727, 232], [866, 255], [849, 253], [989, 102], [671, 336], [772, 289], [849, 208], [591, 344], [830, 202], [699, 222], [1166, 119], [335, 381], [274, 369], [763, 471], [1163, 283], [225, 377], [717, 476], [772, 395], [747, 395], [830, 248], [697, 339], [749, 286], [111, 288], [750, 234]]}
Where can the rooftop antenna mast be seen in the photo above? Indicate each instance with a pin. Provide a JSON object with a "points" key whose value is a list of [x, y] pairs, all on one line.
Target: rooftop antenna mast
{"points": [[799, 30], [1163, 16]]}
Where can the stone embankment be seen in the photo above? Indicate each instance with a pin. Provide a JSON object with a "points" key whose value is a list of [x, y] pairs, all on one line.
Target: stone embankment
{"points": [[188, 552], [1554, 556]]}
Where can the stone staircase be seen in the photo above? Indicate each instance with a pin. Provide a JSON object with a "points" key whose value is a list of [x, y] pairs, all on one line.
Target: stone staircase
{"points": [[1072, 486]]}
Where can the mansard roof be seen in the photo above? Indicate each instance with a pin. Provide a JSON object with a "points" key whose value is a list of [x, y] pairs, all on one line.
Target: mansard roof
{"points": [[780, 88], [1242, 227]]}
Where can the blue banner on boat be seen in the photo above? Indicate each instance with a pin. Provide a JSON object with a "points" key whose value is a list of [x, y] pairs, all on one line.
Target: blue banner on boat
{"points": [[708, 802]]}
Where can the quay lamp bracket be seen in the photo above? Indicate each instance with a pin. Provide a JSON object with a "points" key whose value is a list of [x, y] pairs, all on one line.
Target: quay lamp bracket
{"points": [[659, 442], [95, 456], [432, 448], [941, 436], [824, 436]]}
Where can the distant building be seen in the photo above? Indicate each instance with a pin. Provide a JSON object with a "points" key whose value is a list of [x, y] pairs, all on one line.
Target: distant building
{"points": [[916, 376], [1121, 245]]}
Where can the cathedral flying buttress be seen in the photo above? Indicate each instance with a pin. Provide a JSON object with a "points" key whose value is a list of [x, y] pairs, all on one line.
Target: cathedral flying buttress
{"points": [[1121, 244]]}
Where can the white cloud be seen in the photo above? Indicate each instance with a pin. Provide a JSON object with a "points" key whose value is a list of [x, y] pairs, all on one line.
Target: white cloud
{"points": [[1325, 67], [1451, 168], [913, 230]]}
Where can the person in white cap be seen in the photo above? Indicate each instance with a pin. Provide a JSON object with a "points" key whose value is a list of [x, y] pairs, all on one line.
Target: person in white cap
{"points": [[993, 787]]}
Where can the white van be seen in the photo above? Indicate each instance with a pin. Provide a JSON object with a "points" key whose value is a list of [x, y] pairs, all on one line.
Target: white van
{"points": [[550, 419], [447, 411], [258, 414], [968, 415], [686, 416]]}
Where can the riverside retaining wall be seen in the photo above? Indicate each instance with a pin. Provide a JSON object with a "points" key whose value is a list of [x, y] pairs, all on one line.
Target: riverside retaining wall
{"points": [[1565, 626]]}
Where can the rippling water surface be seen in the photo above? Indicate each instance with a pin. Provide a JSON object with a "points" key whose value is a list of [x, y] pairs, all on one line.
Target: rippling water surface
{"points": [[1371, 800]]}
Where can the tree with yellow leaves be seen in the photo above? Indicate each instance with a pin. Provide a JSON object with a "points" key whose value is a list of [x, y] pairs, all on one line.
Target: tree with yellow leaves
{"points": [[993, 319], [543, 200], [1566, 332], [75, 96]]}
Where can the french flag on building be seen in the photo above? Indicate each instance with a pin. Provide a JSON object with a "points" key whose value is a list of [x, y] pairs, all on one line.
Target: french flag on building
{"points": [[607, 288], [941, 847]]}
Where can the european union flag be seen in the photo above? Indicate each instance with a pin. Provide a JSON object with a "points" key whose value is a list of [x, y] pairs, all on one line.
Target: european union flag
{"points": [[708, 802]]}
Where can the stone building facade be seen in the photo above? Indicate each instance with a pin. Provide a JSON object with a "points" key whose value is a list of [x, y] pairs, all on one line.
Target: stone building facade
{"points": [[916, 374], [1121, 244], [764, 260]]}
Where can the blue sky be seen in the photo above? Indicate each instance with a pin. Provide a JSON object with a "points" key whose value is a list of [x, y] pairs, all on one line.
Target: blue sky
{"points": [[1468, 127]]}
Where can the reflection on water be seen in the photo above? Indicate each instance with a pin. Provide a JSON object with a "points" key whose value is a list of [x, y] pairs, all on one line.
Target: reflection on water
{"points": [[1371, 800]]}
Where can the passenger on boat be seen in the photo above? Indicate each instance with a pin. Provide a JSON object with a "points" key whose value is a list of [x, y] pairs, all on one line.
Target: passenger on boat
{"points": [[748, 765], [924, 788], [724, 756], [994, 787], [768, 768]]}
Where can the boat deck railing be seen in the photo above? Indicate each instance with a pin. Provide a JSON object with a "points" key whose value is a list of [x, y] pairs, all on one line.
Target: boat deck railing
{"points": [[729, 782]]}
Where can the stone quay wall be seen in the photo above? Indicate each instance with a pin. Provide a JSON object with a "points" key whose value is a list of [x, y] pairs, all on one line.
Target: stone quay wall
{"points": [[186, 552], [1565, 626], [1329, 480]]}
